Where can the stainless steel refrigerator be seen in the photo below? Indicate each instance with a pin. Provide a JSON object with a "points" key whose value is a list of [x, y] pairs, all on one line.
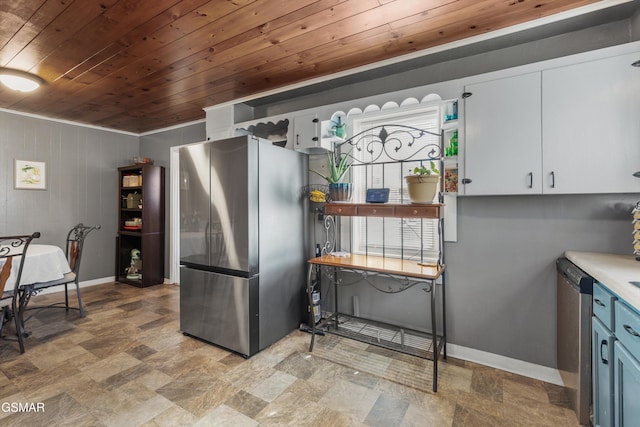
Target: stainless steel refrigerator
{"points": [[242, 242]]}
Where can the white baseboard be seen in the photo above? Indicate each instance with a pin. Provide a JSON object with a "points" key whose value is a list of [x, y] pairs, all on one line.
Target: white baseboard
{"points": [[87, 283], [520, 367], [84, 284]]}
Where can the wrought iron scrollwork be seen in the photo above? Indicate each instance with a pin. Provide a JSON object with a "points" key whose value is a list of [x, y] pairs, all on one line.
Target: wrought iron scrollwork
{"points": [[80, 231], [395, 285], [393, 143], [15, 244], [330, 233]]}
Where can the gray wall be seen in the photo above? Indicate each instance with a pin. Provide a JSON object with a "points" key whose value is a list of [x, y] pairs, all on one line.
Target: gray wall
{"points": [[501, 272], [81, 181], [157, 146], [82, 184]]}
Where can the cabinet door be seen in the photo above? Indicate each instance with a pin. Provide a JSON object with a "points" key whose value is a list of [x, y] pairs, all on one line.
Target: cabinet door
{"points": [[219, 122], [626, 386], [305, 129], [602, 366], [591, 127], [503, 136]]}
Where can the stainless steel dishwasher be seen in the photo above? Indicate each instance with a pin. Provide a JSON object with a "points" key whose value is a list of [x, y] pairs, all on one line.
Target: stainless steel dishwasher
{"points": [[574, 297]]}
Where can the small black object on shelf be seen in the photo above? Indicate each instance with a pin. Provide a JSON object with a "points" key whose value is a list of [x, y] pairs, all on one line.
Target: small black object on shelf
{"points": [[377, 195]]}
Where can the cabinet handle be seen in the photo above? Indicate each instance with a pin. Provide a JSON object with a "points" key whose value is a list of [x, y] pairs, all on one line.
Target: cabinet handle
{"points": [[598, 302], [315, 120], [630, 330], [314, 139], [297, 139], [530, 174], [602, 344], [465, 95], [415, 212], [636, 174], [374, 211], [339, 210], [553, 179], [466, 180]]}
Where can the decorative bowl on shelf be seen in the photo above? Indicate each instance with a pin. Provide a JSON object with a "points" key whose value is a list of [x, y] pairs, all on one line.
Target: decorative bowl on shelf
{"points": [[142, 160], [317, 193]]}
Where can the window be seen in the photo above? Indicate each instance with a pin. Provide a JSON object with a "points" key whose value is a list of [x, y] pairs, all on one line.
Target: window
{"points": [[394, 237]]}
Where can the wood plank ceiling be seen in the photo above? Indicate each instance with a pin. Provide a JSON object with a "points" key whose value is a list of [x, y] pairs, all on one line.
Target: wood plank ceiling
{"points": [[140, 65]]}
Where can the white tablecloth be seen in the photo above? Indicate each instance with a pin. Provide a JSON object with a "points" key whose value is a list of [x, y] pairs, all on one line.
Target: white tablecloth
{"points": [[43, 263]]}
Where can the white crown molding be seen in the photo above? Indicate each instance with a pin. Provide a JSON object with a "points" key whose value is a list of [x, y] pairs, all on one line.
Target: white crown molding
{"points": [[67, 122], [178, 126], [70, 122]]}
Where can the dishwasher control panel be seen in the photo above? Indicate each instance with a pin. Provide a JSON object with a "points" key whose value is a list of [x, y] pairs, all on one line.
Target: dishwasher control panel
{"points": [[575, 275]]}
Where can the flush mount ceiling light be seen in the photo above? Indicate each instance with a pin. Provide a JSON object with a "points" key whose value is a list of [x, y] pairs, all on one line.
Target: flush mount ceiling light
{"points": [[19, 80]]}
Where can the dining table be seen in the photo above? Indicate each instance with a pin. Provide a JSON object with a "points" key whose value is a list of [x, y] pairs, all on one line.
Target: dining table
{"points": [[43, 263]]}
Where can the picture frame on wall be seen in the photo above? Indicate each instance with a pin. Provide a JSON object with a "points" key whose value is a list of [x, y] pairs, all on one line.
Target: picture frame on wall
{"points": [[30, 175]]}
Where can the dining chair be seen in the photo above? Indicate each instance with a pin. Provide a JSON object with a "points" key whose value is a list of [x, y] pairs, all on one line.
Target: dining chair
{"points": [[10, 248], [73, 250]]}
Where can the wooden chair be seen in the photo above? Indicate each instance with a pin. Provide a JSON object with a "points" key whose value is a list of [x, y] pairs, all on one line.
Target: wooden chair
{"points": [[74, 246], [10, 248]]}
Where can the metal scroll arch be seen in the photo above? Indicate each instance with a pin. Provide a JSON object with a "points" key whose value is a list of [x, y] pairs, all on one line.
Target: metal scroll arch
{"points": [[391, 143]]}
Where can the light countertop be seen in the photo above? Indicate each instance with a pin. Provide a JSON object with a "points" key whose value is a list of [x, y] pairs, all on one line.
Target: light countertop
{"points": [[613, 271]]}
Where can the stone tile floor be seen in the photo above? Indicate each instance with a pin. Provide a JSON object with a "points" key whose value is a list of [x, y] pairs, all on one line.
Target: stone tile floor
{"points": [[127, 364]]}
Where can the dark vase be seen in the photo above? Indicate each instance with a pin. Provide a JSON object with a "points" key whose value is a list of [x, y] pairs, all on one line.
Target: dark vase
{"points": [[340, 191]]}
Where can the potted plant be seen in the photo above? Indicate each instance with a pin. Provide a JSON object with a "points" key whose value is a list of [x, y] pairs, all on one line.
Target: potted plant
{"points": [[339, 129], [423, 183], [338, 166]]}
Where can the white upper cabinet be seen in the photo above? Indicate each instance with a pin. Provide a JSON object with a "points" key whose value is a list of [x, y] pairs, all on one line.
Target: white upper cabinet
{"points": [[306, 135], [591, 126], [219, 122], [502, 146], [566, 130]]}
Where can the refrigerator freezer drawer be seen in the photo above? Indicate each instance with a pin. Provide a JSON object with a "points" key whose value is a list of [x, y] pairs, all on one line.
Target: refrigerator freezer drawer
{"points": [[219, 308]]}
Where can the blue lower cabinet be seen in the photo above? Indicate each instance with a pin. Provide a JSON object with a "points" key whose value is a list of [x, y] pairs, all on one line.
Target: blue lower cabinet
{"points": [[602, 340], [626, 387]]}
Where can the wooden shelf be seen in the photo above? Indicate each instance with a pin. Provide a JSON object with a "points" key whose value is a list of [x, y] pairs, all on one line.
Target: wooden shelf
{"points": [[431, 210], [398, 266]]}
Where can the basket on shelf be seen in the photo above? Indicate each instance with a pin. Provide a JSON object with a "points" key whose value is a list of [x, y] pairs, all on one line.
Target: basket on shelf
{"points": [[317, 193]]}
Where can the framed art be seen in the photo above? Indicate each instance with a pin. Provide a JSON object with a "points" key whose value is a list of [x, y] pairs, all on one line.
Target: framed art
{"points": [[29, 175]]}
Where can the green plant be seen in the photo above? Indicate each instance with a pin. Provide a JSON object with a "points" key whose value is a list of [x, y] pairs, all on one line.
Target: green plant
{"points": [[424, 170], [338, 166], [339, 128]]}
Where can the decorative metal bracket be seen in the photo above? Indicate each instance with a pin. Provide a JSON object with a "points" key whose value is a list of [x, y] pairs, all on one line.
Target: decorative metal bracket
{"points": [[330, 233], [396, 285]]}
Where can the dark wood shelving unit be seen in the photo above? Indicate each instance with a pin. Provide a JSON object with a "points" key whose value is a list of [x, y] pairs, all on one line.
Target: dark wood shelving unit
{"points": [[150, 238]]}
